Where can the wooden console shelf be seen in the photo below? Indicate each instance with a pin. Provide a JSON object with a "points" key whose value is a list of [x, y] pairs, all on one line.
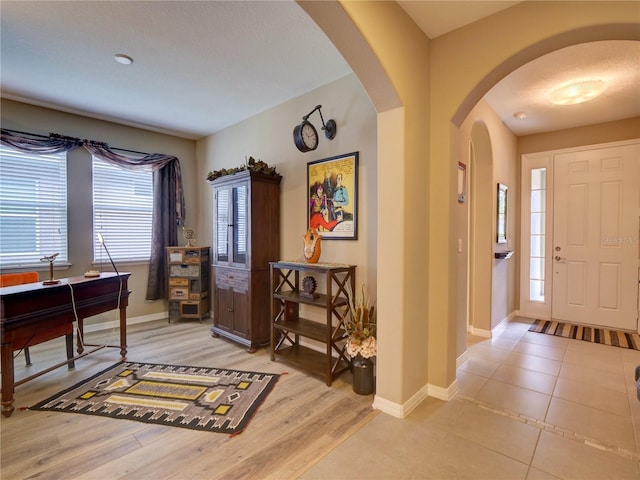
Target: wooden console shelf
{"points": [[288, 327]]}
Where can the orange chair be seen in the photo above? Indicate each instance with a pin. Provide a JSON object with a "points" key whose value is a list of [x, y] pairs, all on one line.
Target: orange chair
{"points": [[10, 279]]}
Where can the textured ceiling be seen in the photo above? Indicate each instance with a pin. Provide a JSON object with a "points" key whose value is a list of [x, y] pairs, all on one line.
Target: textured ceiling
{"points": [[200, 66], [526, 89]]}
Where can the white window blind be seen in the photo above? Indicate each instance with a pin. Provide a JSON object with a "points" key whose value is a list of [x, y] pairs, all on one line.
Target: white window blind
{"points": [[33, 207], [240, 224], [122, 212], [222, 227]]}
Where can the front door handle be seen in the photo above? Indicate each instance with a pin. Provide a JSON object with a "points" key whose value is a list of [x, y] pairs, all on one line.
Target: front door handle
{"points": [[558, 258]]}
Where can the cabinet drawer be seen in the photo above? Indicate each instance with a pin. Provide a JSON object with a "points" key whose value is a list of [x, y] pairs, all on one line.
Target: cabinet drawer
{"points": [[176, 255], [184, 270], [174, 309], [178, 293], [198, 295], [199, 285], [194, 309], [188, 255], [178, 282], [196, 256], [236, 279]]}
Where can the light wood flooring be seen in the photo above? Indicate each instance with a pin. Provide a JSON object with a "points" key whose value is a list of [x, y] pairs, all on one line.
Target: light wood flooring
{"points": [[300, 422]]}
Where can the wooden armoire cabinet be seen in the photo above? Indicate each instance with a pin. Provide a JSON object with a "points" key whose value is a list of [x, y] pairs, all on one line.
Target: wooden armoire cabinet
{"points": [[246, 237]]}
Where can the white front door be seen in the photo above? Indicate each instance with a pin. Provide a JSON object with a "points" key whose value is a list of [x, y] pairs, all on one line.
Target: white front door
{"points": [[595, 251]]}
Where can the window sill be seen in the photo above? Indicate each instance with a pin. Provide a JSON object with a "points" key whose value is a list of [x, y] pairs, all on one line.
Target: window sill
{"points": [[30, 267], [124, 263]]}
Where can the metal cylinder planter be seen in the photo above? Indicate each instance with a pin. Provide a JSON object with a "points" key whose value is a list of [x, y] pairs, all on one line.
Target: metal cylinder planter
{"points": [[363, 379]]}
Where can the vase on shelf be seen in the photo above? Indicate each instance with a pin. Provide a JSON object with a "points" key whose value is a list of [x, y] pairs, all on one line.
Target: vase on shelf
{"points": [[363, 382]]}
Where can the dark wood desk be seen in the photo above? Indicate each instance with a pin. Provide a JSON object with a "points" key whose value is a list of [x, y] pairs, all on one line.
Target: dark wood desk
{"points": [[34, 313]]}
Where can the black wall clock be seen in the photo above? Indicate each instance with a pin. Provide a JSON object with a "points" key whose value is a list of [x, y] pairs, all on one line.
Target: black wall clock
{"points": [[305, 136]]}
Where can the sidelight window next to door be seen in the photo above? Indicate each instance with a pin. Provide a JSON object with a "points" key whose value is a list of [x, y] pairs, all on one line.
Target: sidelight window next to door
{"points": [[535, 235], [537, 211]]}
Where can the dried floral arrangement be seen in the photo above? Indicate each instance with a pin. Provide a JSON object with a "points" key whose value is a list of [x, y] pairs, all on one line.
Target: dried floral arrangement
{"points": [[252, 165], [361, 326]]}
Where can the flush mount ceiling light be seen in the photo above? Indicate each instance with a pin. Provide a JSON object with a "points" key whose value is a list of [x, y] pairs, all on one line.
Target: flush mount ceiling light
{"points": [[520, 115], [123, 59], [577, 92]]}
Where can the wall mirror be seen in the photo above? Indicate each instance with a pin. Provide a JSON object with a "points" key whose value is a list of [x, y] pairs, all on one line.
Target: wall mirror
{"points": [[501, 225]]}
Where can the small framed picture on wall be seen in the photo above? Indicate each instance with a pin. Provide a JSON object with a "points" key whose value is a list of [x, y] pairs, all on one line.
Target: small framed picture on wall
{"points": [[501, 221], [462, 181]]}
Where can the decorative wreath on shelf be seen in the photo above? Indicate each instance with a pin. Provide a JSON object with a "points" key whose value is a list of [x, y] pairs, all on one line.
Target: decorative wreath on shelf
{"points": [[252, 165]]}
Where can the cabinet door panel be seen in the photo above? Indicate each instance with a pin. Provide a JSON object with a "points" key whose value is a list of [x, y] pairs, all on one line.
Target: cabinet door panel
{"points": [[221, 246], [224, 308], [241, 320], [240, 223]]}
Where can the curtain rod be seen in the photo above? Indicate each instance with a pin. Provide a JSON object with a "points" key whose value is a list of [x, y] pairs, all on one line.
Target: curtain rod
{"points": [[49, 136]]}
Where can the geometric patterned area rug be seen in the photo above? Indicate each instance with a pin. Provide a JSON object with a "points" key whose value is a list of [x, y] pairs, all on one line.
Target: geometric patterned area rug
{"points": [[588, 334], [208, 399]]}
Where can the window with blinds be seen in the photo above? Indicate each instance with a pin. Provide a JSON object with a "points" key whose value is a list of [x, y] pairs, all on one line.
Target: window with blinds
{"points": [[33, 208], [122, 212]]}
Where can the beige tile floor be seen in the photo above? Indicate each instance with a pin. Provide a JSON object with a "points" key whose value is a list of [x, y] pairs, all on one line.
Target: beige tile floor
{"points": [[529, 406]]}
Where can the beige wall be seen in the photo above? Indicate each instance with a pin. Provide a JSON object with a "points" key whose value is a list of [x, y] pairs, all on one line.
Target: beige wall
{"points": [[32, 119], [268, 137], [627, 129]]}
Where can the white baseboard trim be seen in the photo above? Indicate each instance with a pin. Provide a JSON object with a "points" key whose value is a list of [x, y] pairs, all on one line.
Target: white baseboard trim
{"points": [[499, 327], [97, 327], [402, 410], [462, 359], [480, 332], [532, 316], [388, 407], [445, 394]]}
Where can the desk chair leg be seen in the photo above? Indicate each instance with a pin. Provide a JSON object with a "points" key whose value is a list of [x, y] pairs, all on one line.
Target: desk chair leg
{"points": [[27, 356], [69, 339]]}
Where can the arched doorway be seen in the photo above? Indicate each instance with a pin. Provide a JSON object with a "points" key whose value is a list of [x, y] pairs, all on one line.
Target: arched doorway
{"points": [[482, 221], [419, 109]]}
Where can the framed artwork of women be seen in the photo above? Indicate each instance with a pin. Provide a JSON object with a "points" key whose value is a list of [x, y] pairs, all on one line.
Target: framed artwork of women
{"points": [[333, 197]]}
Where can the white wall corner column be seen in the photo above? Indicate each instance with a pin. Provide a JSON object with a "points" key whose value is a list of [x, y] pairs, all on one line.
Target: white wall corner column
{"points": [[391, 261]]}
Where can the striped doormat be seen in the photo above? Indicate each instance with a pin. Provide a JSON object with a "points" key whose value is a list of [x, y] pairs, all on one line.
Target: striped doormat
{"points": [[588, 334]]}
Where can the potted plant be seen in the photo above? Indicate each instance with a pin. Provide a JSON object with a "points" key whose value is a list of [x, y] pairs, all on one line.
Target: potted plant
{"points": [[361, 341]]}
